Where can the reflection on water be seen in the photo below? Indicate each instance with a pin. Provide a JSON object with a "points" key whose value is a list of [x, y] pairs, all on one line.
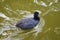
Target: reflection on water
{"points": [[13, 10]]}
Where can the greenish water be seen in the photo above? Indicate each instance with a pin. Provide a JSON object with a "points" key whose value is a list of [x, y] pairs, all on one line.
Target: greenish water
{"points": [[13, 10]]}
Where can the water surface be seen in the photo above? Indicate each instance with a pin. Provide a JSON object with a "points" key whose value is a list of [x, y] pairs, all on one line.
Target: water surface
{"points": [[13, 10]]}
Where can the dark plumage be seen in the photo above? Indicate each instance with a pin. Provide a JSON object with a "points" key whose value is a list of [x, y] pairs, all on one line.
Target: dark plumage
{"points": [[28, 23]]}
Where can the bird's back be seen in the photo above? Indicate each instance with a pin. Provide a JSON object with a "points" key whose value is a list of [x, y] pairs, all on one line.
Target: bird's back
{"points": [[27, 23]]}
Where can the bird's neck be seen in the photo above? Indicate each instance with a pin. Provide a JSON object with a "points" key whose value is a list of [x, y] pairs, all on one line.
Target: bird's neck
{"points": [[36, 18]]}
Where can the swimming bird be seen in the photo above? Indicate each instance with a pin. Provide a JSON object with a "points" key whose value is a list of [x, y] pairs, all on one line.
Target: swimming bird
{"points": [[29, 23]]}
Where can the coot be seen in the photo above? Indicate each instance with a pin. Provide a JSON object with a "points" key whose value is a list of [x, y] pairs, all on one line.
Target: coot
{"points": [[29, 23]]}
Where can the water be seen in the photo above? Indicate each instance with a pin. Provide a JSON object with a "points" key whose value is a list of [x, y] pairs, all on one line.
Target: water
{"points": [[13, 10]]}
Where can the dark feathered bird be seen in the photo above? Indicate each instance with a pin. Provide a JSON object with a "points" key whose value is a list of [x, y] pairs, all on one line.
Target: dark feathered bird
{"points": [[28, 23]]}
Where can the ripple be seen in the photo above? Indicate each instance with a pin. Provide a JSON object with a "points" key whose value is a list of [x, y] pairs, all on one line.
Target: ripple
{"points": [[10, 25], [4, 16], [40, 3], [56, 1], [35, 30], [57, 30]]}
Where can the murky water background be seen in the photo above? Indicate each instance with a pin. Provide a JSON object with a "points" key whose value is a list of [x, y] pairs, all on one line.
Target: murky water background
{"points": [[13, 10]]}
